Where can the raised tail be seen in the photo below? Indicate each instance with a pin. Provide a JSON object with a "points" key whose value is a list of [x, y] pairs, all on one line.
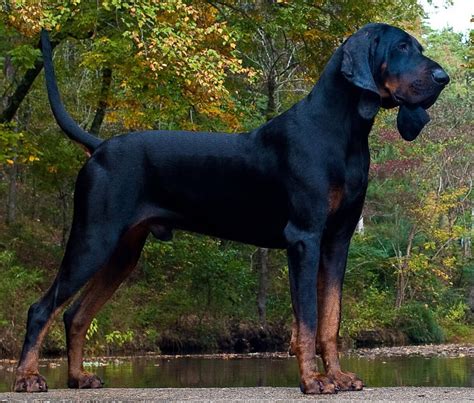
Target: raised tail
{"points": [[64, 120]]}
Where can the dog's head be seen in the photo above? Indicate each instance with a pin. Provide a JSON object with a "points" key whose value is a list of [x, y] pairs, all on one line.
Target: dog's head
{"points": [[388, 65]]}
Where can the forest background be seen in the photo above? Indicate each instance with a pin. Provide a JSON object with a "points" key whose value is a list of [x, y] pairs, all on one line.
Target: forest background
{"points": [[228, 65]]}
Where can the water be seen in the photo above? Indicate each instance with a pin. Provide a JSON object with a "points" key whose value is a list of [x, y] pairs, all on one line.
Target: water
{"points": [[148, 372]]}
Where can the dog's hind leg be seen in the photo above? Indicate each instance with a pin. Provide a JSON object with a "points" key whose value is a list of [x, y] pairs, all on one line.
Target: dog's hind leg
{"points": [[78, 317], [90, 246]]}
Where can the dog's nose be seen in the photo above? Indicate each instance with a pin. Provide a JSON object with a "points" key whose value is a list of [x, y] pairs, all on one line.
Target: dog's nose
{"points": [[440, 76]]}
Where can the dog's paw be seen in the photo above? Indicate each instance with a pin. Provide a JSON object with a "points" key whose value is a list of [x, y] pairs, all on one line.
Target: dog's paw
{"points": [[346, 380], [85, 380], [318, 384], [30, 383]]}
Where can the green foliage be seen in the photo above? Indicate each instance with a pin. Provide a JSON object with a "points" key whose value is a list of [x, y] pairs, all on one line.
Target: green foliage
{"points": [[216, 274], [371, 310], [117, 338], [15, 278], [417, 321], [24, 56], [182, 64], [93, 329], [14, 145], [18, 288]]}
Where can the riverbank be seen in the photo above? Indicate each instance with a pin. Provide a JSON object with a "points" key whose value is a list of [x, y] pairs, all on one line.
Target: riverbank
{"points": [[427, 351], [261, 394]]}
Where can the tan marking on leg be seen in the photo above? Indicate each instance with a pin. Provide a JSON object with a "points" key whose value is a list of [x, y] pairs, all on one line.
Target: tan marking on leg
{"points": [[97, 293], [27, 376], [305, 351], [29, 365], [329, 316], [312, 381]]}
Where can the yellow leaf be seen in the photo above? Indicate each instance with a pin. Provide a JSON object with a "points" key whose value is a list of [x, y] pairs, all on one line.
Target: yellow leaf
{"points": [[10, 162]]}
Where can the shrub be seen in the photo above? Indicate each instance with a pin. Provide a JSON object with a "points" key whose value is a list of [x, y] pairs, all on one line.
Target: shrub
{"points": [[418, 322]]}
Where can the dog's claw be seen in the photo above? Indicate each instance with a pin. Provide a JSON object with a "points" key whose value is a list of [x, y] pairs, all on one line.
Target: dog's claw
{"points": [[30, 383], [346, 381], [85, 381], [318, 384]]}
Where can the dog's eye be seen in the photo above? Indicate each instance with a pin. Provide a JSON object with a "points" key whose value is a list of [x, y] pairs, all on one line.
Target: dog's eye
{"points": [[403, 46]]}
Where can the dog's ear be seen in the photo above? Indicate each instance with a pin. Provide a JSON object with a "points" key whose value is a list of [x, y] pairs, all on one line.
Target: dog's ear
{"points": [[358, 56], [410, 121]]}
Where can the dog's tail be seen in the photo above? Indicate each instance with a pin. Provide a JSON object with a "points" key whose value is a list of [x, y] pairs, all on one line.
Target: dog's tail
{"points": [[64, 120]]}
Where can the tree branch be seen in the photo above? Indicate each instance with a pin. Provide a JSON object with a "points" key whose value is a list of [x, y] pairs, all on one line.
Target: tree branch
{"points": [[14, 101]]}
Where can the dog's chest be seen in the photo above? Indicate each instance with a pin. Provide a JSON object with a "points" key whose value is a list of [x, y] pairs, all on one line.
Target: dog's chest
{"points": [[351, 189]]}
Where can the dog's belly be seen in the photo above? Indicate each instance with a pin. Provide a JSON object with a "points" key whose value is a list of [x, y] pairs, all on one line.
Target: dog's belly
{"points": [[252, 218], [260, 231], [255, 233]]}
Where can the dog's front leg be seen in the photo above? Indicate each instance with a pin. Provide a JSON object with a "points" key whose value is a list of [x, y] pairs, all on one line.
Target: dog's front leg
{"points": [[303, 261], [330, 277]]}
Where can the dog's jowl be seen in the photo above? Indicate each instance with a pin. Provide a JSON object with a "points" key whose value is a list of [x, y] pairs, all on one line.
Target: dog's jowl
{"points": [[298, 183]]}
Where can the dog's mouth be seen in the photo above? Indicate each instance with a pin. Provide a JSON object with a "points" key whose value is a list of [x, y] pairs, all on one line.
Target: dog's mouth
{"points": [[397, 99], [425, 103], [428, 102]]}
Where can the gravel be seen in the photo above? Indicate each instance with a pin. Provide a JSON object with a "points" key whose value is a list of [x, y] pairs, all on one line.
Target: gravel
{"points": [[262, 394]]}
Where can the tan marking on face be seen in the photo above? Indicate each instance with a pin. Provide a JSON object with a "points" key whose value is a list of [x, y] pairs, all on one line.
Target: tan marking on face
{"points": [[401, 86], [383, 90], [392, 85]]}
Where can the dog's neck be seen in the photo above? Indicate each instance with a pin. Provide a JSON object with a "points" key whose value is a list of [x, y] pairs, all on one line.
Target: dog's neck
{"points": [[334, 96]]}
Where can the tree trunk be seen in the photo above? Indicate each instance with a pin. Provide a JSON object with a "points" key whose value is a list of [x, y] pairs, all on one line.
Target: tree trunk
{"points": [[13, 102], [65, 218], [401, 286], [102, 105], [262, 253], [271, 94], [262, 264], [467, 241], [402, 276], [12, 193]]}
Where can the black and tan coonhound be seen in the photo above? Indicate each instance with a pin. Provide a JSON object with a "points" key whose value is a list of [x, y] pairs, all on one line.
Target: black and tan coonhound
{"points": [[297, 182]]}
